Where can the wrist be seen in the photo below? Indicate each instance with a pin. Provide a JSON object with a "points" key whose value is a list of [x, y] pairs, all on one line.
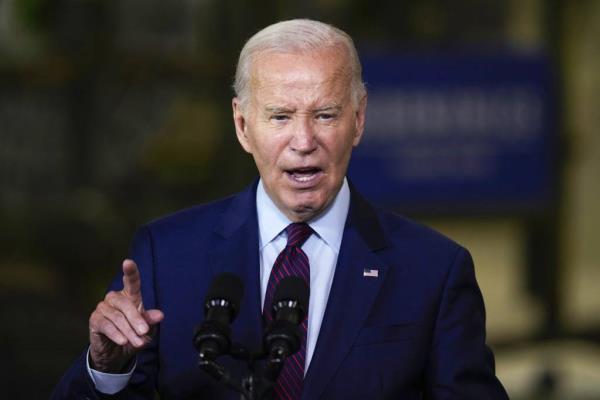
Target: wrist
{"points": [[118, 365]]}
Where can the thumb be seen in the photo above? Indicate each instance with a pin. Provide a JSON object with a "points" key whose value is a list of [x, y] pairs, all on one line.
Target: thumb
{"points": [[153, 317]]}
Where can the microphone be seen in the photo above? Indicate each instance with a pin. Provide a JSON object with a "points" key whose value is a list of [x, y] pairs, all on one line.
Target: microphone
{"points": [[289, 307], [212, 338]]}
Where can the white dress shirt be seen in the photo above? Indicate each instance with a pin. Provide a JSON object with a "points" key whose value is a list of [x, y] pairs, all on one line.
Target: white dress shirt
{"points": [[322, 249]]}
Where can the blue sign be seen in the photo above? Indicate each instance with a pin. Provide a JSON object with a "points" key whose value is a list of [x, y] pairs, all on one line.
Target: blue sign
{"points": [[455, 134]]}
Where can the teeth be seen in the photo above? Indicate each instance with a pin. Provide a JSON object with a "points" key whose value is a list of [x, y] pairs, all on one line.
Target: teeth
{"points": [[303, 176]]}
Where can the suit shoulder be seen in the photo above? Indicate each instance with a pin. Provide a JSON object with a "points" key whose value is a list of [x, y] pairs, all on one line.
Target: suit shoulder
{"points": [[401, 229], [203, 215], [425, 254]]}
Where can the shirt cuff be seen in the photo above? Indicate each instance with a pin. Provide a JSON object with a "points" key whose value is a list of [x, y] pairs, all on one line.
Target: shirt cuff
{"points": [[108, 383]]}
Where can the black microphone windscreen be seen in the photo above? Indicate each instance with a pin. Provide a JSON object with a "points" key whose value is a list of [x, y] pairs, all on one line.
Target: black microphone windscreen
{"points": [[229, 287], [292, 288]]}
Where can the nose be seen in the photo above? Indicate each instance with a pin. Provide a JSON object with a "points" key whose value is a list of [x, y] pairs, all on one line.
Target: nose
{"points": [[303, 137]]}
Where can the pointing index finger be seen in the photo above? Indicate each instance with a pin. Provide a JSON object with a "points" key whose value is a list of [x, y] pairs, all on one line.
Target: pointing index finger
{"points": [[131, 281]]}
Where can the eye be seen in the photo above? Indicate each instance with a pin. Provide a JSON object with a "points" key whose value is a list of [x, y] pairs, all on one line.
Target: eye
{"points": [[280, 117], [326, 116]]}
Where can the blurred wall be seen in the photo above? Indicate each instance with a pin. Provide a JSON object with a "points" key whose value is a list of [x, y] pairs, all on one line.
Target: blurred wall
{"points": [[115, 112], [582, 205]]}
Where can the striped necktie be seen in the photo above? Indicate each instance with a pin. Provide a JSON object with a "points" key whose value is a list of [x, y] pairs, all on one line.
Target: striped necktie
{"points": [[292, 261]]}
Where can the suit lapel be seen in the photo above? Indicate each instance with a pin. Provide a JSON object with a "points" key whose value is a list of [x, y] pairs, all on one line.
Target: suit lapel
{"points": [[351, 296], [235, 250]]}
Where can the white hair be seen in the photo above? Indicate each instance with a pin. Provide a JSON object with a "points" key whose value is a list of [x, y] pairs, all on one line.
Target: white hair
{"points": [[296, 36]]}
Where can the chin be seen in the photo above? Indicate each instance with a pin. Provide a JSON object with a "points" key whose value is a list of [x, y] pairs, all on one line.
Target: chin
{"points": [[305, 205], [309, 209], [303, 214]]}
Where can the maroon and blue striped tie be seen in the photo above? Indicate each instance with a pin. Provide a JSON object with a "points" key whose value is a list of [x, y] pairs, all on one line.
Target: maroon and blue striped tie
{"points": [[292, 261]]}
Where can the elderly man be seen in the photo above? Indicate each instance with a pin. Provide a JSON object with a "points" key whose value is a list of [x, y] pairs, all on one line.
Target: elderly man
{"points": [[394, 309]]}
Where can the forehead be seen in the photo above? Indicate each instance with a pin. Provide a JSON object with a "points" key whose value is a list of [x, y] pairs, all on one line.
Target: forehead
{"points": [[321, 75]]}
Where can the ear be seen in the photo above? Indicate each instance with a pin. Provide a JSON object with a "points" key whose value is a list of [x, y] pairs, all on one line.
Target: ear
{"points": [[360, 120], [241, 126]]}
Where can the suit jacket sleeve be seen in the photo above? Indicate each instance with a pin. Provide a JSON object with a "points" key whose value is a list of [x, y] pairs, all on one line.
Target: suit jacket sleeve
{"points": [[461, 366], [76, 383]]}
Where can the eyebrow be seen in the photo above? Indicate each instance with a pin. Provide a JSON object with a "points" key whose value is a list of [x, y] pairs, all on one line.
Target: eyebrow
{"points": [[277, 110], [331, 107]]}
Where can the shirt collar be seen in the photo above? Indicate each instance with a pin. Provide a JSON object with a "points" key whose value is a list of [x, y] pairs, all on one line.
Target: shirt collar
{"points": [[329, 225]]}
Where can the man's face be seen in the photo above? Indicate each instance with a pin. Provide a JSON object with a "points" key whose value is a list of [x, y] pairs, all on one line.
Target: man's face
{"points": [[300, 125]]}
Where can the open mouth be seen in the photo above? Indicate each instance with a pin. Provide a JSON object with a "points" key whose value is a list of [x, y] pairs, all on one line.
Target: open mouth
{"points": [[304, 175]]}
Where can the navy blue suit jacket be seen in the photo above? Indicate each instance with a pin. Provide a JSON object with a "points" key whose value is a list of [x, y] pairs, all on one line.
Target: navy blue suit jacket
{"points": [[416, 331]]}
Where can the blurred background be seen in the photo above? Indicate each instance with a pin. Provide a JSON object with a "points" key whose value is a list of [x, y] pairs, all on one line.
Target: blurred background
{"points": [[483, 123]]}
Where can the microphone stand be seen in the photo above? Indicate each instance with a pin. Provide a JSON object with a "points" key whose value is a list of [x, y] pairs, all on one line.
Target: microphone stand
{"points": [[252, 386], [281, 340]]}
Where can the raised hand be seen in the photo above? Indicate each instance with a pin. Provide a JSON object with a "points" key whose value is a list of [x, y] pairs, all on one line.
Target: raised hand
{"points": [[120, 326]]}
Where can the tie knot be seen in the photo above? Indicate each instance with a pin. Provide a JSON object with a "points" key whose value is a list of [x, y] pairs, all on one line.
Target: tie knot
{"points": [[297, 233]]}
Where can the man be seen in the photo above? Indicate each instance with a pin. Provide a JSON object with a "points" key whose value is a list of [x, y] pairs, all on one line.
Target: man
{"points": [[394, 308]]}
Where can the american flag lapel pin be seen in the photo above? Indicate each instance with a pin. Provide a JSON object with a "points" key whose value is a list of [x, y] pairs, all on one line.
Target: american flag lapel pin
{"points": [[371, 272]]}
